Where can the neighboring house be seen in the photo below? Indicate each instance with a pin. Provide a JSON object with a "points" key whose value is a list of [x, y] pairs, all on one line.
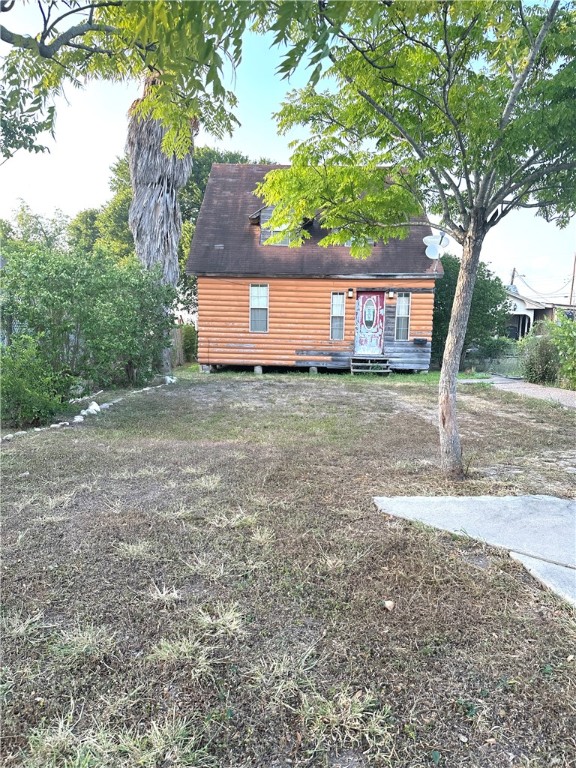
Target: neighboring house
{"points": [[527, 311], [271, 305]]}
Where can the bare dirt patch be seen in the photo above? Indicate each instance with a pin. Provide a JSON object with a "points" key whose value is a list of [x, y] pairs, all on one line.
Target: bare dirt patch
{"points": [[200, 578]]}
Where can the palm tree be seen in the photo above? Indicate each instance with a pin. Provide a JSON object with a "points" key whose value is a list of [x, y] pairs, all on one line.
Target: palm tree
{"points": [[155, 218]]}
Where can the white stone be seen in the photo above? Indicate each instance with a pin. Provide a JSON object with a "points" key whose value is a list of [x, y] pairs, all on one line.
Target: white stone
{"points": [[83, 413], [94, 406], [7, 438], [104, 406], [54, 426], [16, 434], [64, 423], [40, 429], [78, 419]]}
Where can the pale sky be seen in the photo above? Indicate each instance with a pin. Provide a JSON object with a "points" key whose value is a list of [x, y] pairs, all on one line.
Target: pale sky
{"points": [[91, 132]]}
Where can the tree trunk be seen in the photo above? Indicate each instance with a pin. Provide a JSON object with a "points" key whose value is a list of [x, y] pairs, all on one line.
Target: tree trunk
{"points": [[154, 217], [450, 447]]}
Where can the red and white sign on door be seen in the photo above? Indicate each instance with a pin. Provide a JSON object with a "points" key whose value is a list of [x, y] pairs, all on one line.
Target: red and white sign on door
{"points": [[369, 339]]}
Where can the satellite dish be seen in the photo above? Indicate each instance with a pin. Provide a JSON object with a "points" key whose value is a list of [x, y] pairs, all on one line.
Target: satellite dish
{"points": [[434, 242]]}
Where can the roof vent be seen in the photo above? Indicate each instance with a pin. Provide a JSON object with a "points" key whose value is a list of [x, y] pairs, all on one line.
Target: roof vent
{"points": [[219, 246]]}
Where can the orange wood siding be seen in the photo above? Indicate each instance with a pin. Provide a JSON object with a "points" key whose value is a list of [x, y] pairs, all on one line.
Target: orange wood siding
{"points": [[298, 321]]}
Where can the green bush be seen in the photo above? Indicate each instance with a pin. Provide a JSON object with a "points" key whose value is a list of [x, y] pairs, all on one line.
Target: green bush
{"points": [[563, 335], [29, 390], [101, 321], [190, 342], [539, 357], [487, 353], [497, 348]]}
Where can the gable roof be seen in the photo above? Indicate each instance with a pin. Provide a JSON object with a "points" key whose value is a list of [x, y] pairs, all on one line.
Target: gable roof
{"points": [[528, 302], [225, 241]]}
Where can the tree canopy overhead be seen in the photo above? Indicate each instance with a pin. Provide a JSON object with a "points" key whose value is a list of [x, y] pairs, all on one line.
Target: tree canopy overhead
{"points": [[187, 45], [468, 106], [114, 40]]}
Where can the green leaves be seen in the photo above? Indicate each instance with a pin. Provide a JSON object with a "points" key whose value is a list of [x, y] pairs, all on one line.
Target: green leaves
{"points": [[563, 335], [421, 88], [354, 201], [99, 320]]}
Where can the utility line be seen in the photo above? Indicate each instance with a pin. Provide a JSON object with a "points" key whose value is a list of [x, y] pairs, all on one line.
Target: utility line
{"points": [[548, 293]]}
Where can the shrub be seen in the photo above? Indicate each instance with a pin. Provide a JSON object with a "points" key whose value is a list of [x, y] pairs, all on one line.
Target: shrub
{"points": [[29, 389], [490, 351], [496, 348], [539, 356], [101, 321], [563, 335], [190, 336]]}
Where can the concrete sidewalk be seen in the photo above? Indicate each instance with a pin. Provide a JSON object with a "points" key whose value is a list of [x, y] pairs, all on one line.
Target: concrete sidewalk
{"points": [[565, 397], [539, 531]]}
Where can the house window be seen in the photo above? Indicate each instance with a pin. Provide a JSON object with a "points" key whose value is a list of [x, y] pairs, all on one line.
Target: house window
{"points": [[266, 232], [369, 240], [259, 309], [402, 316], [337, 317]]}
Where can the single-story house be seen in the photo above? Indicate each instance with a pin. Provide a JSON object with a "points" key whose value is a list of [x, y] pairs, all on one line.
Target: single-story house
{"points": [[310, 306], [526, 311]]}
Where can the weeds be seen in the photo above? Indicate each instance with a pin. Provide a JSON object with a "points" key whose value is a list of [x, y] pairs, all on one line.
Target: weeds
{"points": [[167, 596], [262, 536], [171, 741], [208, 566], [221, 620], [18, 625], [239, 520], [207, 483], [347, 719], [135, 550], [189, 649], [84, 642]]}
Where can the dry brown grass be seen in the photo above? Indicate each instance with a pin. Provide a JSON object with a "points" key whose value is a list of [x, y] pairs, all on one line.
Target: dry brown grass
{"points": [[201, 577]]}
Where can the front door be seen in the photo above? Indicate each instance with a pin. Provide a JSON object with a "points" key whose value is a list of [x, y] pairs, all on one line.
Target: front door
{"points": [[369, 339]]}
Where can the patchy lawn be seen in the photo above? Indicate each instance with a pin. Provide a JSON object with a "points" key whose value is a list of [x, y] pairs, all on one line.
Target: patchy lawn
{"points": [[199, 577]]}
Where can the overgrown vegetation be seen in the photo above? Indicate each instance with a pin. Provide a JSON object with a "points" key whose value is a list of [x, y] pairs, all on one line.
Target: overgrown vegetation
{"points": [[87, 321], [30, 392], [207, 582], [539, 356], [563, 335], [548, 353], [190, 342]]}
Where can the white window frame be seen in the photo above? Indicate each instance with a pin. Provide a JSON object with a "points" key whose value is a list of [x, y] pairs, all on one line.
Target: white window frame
{"points": [[371, 242], [267, 307], [333, 315], [266, 232], [399, 317]]}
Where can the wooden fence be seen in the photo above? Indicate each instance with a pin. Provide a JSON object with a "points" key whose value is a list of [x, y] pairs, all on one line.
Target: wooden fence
{"points": [[177, 346]]}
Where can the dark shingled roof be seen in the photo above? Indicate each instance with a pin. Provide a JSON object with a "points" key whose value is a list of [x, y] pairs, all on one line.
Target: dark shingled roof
{"points": [[226, 243]]}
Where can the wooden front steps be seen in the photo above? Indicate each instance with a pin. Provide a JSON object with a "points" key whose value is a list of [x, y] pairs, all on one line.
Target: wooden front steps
{"points": [[370, 365]]}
